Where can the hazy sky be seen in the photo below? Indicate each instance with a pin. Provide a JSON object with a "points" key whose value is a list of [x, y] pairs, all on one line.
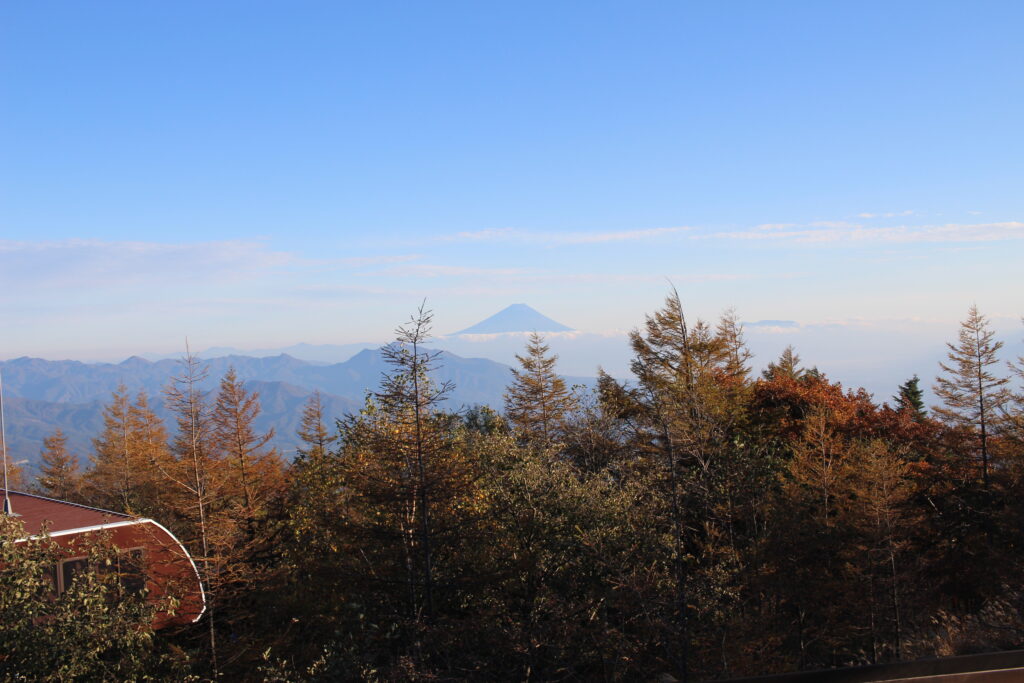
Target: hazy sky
{"points": [[256, 174]]}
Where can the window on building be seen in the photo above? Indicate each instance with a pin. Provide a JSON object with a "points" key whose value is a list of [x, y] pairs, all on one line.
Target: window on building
{"points": [[69, 569], [131, 571]]}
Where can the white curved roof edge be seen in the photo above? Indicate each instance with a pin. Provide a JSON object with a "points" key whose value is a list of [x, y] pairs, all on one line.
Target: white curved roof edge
{"points": [[130, 522]]}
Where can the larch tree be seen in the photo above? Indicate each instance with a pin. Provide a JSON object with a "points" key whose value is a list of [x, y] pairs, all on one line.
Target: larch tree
{"points": [[123, 476], [313, 433], [664, 366], [15, 475], [814, 479], [686, 416], [111, 479], [408, 490], [818, 464], [58, 469], [194, 473], [788, 365], [729, 333], [316, 497], [972, 395], [409, 400], [151, 451], [243, 517], [875, 509], [537, 401], [253, 471]]}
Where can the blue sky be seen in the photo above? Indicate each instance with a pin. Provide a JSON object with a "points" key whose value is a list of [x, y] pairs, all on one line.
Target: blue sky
{"points": [[259, 174]]}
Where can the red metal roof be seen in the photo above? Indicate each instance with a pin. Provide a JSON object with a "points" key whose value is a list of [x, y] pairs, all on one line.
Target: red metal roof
{"points": [[33, 511]]}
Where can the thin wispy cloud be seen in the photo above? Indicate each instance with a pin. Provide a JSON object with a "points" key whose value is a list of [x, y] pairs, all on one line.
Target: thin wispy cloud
{"points": [[513, 235], [434, 271], [594, 278], [890, 214], [1006, 323], [100, 264], [821, 232], [837, 225], [855, 234], [363, 261], [775, 226], [530, 275]]}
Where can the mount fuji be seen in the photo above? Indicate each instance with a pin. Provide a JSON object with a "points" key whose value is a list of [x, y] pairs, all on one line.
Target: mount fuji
{"points": [[516, 318]]}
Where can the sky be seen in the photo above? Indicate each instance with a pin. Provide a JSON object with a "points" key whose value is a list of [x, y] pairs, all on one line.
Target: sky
{"points": [[261, 174]]}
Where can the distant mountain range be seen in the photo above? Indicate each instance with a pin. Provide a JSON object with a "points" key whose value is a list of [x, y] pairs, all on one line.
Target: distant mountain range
{"points": [[315, 353], [67, 381], [43, 395], [516, 319], [29, 421], [498, 338]]}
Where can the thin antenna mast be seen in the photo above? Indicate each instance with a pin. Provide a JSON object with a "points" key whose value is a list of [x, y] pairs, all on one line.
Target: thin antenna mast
{"points": [[3, 444]]}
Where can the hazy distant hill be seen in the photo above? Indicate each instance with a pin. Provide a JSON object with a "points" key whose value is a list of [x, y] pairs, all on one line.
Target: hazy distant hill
{"points": [[477, 380], [320, 353], [29, 421], [499, 338], [43, 395]]}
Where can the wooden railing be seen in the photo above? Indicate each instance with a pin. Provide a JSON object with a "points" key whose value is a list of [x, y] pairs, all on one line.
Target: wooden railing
{"points": [[992, 667]]}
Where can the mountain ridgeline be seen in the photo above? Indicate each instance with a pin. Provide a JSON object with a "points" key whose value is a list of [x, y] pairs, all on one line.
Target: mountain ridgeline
{"points": [[43, 395]]}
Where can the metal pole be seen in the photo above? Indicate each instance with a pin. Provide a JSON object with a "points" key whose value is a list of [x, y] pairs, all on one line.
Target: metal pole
{"points": [[3, 445]]}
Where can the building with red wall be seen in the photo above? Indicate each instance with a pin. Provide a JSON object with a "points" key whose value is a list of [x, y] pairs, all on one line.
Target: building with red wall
{"points": [[153, 557]]}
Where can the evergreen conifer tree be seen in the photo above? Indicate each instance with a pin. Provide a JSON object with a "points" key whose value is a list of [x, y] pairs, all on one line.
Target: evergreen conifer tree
{"points": [[910, 399], [971, 394]]}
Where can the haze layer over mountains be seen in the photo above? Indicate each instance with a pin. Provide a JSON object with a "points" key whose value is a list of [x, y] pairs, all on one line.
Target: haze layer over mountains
{"points": [[43, 395]]}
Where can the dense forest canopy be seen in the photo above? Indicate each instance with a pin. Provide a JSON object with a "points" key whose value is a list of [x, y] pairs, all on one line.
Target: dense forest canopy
{"points": [[697, 522]]}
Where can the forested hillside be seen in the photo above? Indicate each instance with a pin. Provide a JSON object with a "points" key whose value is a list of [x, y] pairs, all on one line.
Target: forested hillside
{"points": [[698, 522], [45, 395]]}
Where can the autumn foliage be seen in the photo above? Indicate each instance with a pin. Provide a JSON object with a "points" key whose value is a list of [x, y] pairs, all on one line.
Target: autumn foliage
{"points": [[699, 521]]}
